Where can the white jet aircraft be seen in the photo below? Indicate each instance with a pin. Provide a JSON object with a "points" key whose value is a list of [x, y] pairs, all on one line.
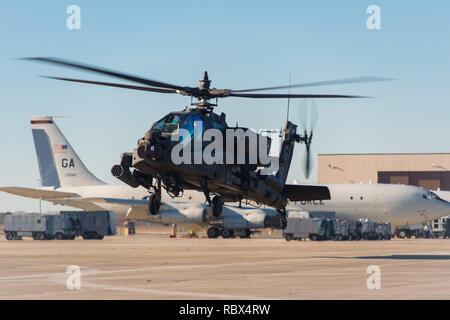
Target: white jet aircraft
{"points": [[66, 181], [394, 203], [443, 194]]}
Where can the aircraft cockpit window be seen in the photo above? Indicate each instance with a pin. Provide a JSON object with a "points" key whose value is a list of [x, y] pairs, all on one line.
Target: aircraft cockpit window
{"points": [[193, 124], [198, 126], [431, 196], [168, 124], [186, 124]]}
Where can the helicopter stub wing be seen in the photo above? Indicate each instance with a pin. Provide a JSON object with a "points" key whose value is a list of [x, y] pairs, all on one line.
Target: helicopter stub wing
{"points": [[296, 192]]}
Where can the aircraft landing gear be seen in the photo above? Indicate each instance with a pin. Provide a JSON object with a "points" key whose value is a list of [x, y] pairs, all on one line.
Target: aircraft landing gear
{"points": [[154, 204], [283, 218], [217, 206], [216, 203], [154, 201]]}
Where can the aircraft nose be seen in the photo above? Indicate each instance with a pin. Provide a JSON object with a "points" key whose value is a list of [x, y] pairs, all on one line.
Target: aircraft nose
{"points": [[443, 208]]}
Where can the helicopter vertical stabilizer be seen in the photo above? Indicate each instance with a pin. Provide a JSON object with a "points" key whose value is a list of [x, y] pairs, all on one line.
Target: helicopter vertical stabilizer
{"points": [[290, 137], [59, 165]]}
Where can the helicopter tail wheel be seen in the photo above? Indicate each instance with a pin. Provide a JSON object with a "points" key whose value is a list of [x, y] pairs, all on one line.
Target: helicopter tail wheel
{"points": [[154, 204], [217, 206]]}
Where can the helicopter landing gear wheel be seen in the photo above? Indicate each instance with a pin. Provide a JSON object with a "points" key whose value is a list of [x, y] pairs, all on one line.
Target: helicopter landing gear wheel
{"points": [[217, 206], [154, 204]]}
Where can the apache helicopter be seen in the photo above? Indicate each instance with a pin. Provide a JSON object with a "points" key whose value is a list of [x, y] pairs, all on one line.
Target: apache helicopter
{"points": [[154, 168]]}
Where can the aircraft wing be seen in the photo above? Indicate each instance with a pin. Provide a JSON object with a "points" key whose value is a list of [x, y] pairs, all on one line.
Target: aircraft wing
{"points": [[38, 193], [125, 202], [296, 192], [94, 204]]}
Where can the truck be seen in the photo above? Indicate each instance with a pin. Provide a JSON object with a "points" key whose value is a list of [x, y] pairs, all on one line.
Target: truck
{"points": [[95, 224], [38, 226], [383, 231], [355, 230], [66, 225], [313, 228], [418, 230], [368, 229], [440, 227], [341, 229]]}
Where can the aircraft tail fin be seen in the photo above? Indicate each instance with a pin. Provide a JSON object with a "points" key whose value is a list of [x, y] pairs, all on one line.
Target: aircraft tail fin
{"points": [[287, 150], [59, 165]]}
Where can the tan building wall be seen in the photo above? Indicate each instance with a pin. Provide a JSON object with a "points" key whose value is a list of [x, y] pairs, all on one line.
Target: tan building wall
{"points": [[416, 169]]}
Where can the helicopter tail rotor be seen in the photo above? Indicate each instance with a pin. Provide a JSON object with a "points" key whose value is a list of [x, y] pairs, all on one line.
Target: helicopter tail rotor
{"points": [[307, 136]]}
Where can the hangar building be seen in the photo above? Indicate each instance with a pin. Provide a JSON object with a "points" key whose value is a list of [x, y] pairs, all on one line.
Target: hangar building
{"points": [[428, 170]]}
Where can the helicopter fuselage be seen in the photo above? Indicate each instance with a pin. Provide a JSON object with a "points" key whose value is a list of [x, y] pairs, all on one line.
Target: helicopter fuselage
{"points": [[233, 177]]}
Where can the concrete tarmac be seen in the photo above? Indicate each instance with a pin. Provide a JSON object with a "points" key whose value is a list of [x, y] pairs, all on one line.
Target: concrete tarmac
{"points": [[146, 266]]}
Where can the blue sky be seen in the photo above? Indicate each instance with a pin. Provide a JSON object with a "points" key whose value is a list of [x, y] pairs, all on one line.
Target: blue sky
{"points": [[242, 44]]}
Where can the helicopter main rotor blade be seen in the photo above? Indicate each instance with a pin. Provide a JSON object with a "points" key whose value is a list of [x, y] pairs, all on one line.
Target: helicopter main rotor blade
{"points": [[314, 116], [117, 85], [111, 73], [319, 83], [282, 95]]}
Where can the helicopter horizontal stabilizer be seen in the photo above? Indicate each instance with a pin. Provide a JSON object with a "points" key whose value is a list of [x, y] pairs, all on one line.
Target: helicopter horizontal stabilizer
{"points": [[296, 192]]}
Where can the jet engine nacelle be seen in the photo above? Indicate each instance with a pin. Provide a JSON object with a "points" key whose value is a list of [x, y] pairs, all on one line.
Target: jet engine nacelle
{"points": [[243, 221], [191, 214]]}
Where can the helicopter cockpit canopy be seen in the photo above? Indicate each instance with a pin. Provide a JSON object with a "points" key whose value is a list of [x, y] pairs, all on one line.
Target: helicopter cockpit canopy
{"points": [[173, 122], [169, 123]]}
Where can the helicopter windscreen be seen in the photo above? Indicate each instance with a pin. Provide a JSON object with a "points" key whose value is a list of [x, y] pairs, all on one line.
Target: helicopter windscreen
{"points": [[169, 123]]}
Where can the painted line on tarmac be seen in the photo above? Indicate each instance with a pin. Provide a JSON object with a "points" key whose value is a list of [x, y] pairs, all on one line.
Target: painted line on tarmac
{"points": [[188, 295], [88, 272]]}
